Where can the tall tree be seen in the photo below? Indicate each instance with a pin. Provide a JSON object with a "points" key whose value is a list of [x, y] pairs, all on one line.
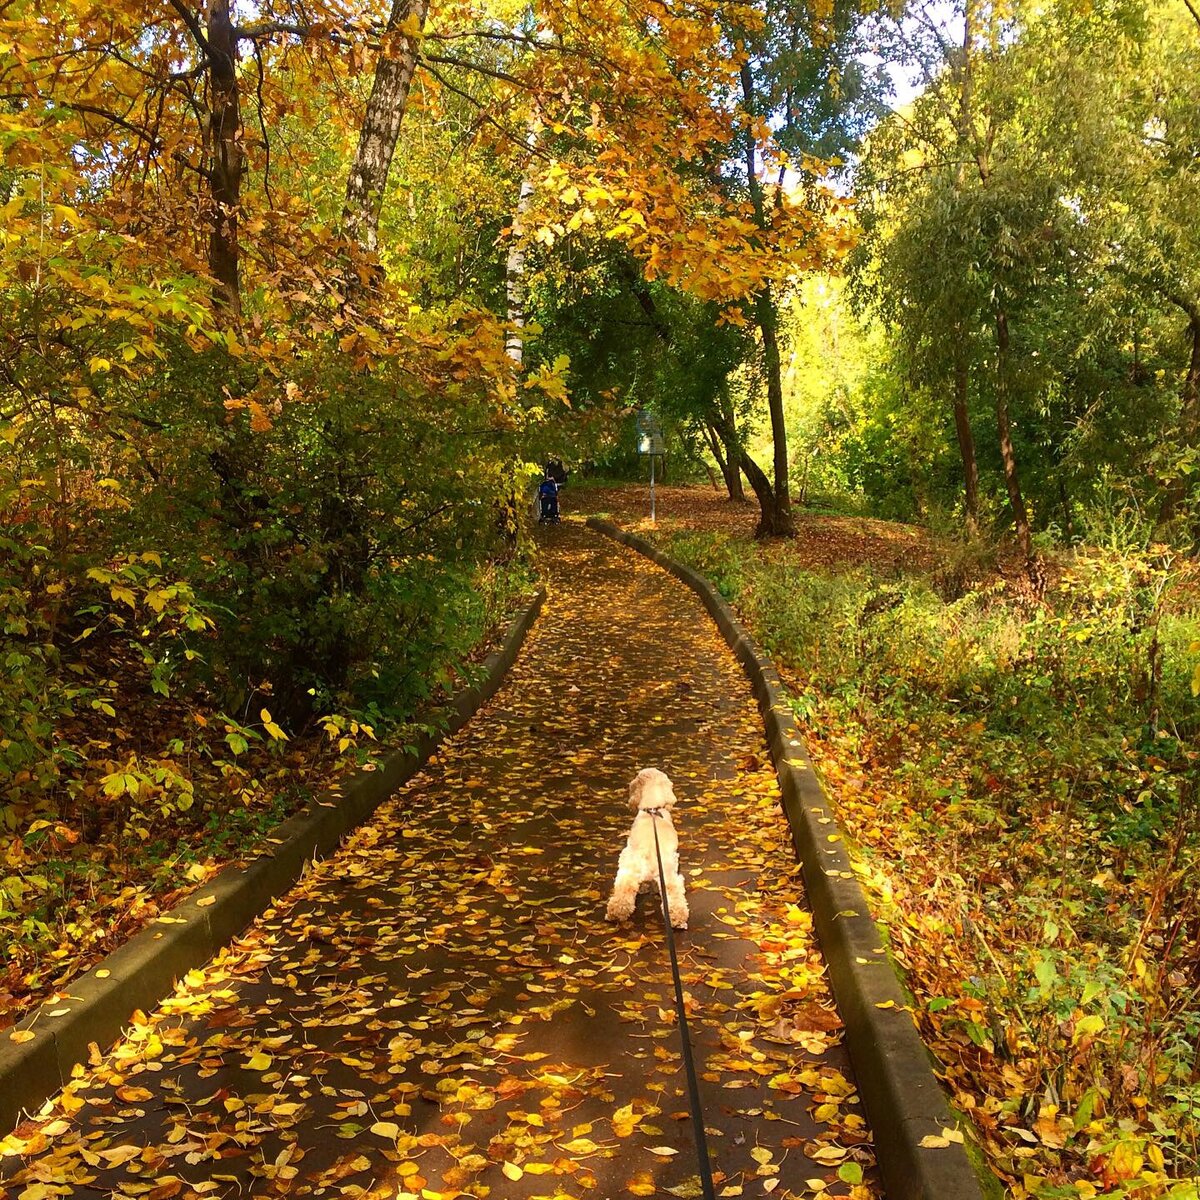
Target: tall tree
{"points": [[789, 109], [774, 495]]}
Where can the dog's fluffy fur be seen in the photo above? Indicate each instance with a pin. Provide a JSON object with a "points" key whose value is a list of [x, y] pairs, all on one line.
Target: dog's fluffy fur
{"points": [[650, 789]]}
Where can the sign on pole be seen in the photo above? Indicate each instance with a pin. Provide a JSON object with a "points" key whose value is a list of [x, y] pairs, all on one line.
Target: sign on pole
{"points": [[650, 442]]}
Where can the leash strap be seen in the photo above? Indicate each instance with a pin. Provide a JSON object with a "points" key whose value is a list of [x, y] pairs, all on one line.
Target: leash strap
{"points": [[689, 1066]]}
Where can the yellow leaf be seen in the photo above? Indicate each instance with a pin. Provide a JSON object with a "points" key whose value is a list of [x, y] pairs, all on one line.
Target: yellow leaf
{"points": [[119, 1154], [829, 1154], [270, 726], [21, 1035], [512, 1171], [260, 1062], [386, 1129], [582, 1146], [65, 213]]}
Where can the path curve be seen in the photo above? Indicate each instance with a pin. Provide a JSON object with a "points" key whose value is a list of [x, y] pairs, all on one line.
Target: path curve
{"points": [[441, 1010]]}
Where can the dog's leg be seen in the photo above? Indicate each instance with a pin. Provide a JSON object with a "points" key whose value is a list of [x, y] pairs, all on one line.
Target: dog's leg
{"points": [[677, 901], [624, 896]]}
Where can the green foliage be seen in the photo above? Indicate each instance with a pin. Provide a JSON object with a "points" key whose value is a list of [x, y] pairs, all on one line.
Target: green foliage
{"points": [[1039, 181], [644, 345], [713, 555]]}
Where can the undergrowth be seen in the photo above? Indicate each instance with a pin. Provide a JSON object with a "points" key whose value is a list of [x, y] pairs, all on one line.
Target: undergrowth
{"points": [[1021, 779], [123, 783]]}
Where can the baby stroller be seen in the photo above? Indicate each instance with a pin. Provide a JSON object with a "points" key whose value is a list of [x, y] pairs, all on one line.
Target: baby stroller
{"points": [[548, 502]]}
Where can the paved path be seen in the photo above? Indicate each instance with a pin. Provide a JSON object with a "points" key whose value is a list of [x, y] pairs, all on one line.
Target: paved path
{"points": [[441, 1010]]}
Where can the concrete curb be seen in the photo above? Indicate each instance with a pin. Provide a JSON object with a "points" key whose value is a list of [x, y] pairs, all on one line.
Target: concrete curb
{"points": [[893, 1067], [144, 970]]}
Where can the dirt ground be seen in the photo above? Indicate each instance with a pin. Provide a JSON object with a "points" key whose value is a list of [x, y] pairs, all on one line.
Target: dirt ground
{"points": [[822, 541]]}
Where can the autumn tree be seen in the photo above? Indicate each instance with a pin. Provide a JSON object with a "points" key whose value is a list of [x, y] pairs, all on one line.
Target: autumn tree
{"points": [[793, 122]]}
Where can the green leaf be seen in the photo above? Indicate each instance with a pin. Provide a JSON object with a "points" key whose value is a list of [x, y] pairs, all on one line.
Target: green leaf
{"points": [[1045, 971]]}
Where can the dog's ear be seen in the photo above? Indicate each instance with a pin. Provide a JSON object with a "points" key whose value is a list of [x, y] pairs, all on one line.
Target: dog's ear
{"points": [[666, 790], [636, 784]]}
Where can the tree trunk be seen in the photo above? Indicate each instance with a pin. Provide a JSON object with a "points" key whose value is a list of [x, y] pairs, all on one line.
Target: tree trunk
{"points": [[726, 429], [966, 441], [1007, 454], [1189, 396], [228, 162], [772, 521], [778, 515], [726, 462], [768, 325], [732, 474], [394, 73], [514, 267]]}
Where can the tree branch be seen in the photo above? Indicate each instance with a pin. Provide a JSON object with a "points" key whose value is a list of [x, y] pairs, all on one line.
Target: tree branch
{"points": [[484, 115], [476, 67], [190, 19], [151, 139]]}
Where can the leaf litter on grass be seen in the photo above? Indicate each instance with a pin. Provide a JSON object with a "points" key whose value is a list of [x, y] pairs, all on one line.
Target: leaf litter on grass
{"points": [[440, 1009]]}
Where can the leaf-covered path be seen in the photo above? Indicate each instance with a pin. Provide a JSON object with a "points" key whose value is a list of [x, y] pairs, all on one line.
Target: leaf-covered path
{"points": [[440, 1009]]}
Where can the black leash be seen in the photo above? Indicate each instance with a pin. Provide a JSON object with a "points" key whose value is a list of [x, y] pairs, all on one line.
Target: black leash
{"points": [[706, 1181]]}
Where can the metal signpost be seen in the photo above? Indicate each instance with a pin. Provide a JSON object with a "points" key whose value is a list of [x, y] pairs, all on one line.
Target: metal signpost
{"points": [[650, 441]]}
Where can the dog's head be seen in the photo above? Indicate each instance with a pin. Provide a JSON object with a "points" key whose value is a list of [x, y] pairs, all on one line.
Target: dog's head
{"points": [[650, 789]]}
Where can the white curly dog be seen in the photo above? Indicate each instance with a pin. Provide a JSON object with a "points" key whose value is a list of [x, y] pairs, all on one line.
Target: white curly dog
{"points": [[652, 797]]}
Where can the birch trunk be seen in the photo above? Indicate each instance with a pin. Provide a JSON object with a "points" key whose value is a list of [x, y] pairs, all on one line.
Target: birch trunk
{"points": [[380, 131], [514, 267]]}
